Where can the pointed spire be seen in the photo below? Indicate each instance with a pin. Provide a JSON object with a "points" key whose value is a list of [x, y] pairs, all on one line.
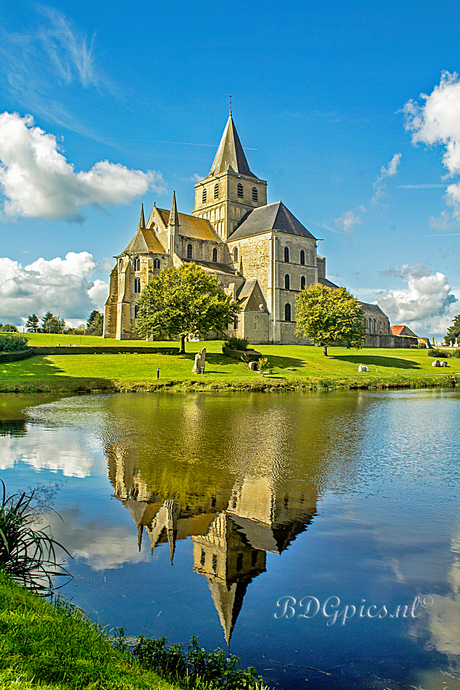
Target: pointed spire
{"points": [[230, 153], [174, 216], [140, 530], [141, 218]]}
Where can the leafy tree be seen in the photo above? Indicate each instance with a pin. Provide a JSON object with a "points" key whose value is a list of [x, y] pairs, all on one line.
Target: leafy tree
{"points": [[95, 323], [453, 332], [330, 316], [52, 324], [183, 301], [8, 328], [32, 323]]}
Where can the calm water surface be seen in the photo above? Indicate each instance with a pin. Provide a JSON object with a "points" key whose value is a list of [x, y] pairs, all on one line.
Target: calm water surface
{"points": [[317, 535]]}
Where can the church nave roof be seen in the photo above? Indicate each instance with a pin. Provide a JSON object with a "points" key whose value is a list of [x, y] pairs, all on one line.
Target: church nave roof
{"points": [[269, 218]]}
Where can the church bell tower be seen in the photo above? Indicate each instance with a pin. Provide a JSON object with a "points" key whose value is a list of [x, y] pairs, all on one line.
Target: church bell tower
{"points": [[231, 189]]}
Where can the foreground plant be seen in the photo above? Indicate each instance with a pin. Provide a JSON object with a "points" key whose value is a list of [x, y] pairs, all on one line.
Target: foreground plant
{"points": [[200, 668], [28, 555]]}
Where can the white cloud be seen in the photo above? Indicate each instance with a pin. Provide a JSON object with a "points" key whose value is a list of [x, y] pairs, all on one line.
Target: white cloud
{"points": [[62, 286], [101, 545], [442, 222], [427, 305], [65, 453], [348, 220], [379, 184], [437, 121], [38, 182], [69, 52]]}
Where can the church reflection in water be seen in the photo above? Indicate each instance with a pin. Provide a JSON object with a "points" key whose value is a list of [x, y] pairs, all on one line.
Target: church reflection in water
{"points": [[231, 529]]}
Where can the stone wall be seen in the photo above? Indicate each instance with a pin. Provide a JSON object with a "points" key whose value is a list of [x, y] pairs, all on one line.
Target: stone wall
{"points": [[385, 340]]}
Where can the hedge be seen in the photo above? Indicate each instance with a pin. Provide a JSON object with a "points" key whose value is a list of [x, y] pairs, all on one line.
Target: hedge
{"points": [[243, 355]]}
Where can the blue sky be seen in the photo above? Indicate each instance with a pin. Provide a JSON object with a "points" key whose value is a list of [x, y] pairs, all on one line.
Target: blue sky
{"points": [[112, 104]]}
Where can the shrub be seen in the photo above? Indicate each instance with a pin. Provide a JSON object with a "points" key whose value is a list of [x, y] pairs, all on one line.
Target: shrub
{"points": [[456, 353], [438, 353], [10, 343], [263, 364], [27, 555], [210, 669], [236, 343]]}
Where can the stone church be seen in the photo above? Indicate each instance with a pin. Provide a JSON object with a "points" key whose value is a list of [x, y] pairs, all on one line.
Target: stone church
{"points": [[261, 253]]}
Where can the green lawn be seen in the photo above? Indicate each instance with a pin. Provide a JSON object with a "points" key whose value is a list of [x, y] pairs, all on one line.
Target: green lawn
{"points": [[58, 649], [293, 365]]}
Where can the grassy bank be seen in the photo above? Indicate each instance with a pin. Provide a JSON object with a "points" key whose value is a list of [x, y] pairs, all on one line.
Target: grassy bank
{"points": [[295, 367], [58, 649]]}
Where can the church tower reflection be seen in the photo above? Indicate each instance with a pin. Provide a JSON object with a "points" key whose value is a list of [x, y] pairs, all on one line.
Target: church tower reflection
{"points": [[231, 529]]}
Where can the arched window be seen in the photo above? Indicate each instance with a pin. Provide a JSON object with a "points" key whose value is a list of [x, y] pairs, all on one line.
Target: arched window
{"points": [[286, 255], [189, 251], [239, 562], [240, 190], [287, 282], [235, 253], [255, 194], [214, 255], [214, 562], [302, 282], [203, 558], [287, 312], [136, 311], [137, 285], [137, 264], [156, 263], [253, 558], [302, 257], [203, 196], [216, 190]]}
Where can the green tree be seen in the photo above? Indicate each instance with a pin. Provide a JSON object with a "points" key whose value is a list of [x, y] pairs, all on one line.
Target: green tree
{"points": [[184, 301], [330, 316], [32, 323], [453, 332], [95, 323], [8, 328], [52, 324]]}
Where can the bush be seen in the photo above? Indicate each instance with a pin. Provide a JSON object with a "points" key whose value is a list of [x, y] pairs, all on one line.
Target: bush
{"points": [[263, 365], [11, 343], [438, 353], [209, 669], [236, 343], [456, 353]]}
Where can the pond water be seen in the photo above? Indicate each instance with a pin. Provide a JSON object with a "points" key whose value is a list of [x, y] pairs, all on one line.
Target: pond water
{"points": [[316, 536]]}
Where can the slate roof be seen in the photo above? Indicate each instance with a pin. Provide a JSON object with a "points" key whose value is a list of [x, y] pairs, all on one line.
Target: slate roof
{"points": [[214, 267], [144, 240], [328, 283], [268, 218], [372, 309], [250, 296], [190, 226], [230, 153]]}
